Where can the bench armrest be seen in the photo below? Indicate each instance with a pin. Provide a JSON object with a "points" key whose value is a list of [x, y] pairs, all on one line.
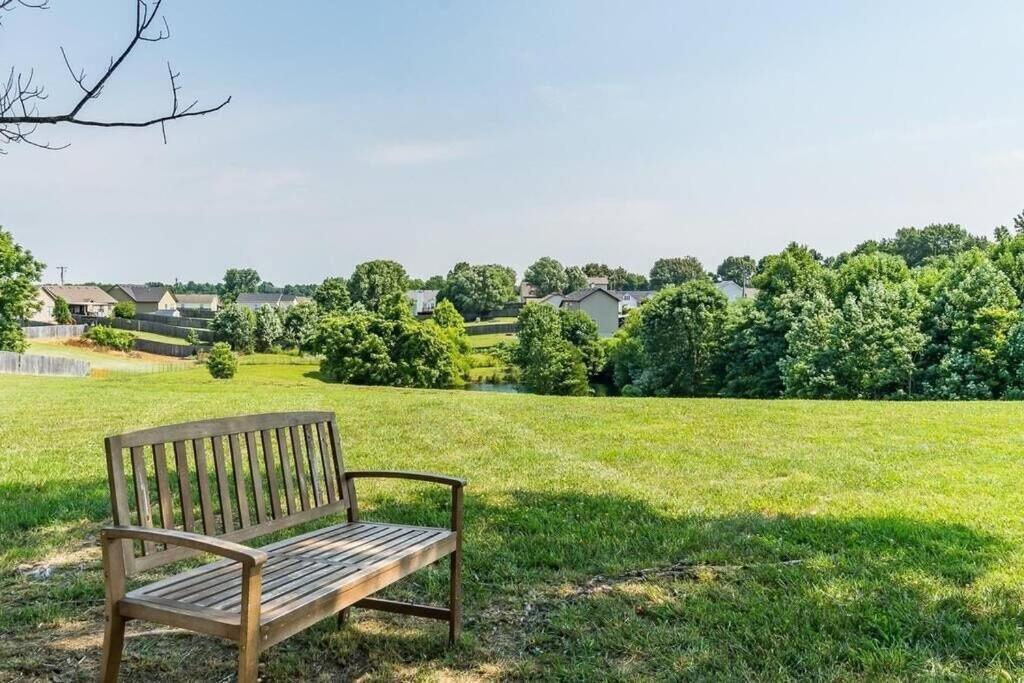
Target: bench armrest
{"points": [[454, 482], [402, 474], [248, 557]]}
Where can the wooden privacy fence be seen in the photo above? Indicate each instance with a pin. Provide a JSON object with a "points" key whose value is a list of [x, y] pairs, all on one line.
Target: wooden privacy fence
{"points": [[176, 321], [53, 331], [163, 348], [146, 326], [22, 364], [493, 328]]}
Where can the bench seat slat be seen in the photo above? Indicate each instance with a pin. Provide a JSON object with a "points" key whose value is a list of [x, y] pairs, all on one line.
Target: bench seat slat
{"points": [[301, 571]]}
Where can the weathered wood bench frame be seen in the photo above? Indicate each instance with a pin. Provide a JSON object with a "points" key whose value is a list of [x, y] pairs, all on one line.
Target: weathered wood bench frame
{"points": [[289, 472]]}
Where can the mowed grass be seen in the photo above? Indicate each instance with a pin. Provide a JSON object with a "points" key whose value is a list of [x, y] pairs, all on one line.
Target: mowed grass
{"points": [[606, 539], [486, 341], [152, 336]]}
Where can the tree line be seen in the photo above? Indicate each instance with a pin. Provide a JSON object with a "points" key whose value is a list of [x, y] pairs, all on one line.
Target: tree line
{"points": [[932, 312]]}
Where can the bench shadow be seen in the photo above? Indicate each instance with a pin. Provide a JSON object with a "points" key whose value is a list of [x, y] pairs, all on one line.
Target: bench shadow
{"points": [[635, 592], [574, 585]]}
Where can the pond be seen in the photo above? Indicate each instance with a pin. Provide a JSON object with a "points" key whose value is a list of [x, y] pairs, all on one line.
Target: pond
{"points": [[598, 388]]}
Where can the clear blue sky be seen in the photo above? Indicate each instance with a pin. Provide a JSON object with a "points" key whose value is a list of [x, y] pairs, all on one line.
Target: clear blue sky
{"points": [[434, 132]]}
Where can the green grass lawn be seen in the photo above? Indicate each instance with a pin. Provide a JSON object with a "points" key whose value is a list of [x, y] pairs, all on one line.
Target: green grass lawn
{"points": [[621, 539], [492, 321], [160, 338], [486, 341]]}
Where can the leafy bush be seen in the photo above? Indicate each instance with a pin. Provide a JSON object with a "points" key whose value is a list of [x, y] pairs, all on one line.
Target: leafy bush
{"points": [[268, 329], [62, 312], [299, 325], [192, 337], [548, 363], [124, 309], [367, 348], [222, 362], [108, 337], [235, 325]]}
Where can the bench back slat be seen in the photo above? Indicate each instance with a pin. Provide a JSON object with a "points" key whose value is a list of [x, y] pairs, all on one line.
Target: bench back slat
{"points": [[256, 461]]}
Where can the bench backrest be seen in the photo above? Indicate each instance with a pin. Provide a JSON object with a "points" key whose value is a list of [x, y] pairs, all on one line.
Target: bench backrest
{"points": [[235, 478]]}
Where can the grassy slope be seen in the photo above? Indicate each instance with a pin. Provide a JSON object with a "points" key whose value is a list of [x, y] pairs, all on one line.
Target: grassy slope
{"points": [[152, 336], [108, 360], [816, 540], [483, 341]]}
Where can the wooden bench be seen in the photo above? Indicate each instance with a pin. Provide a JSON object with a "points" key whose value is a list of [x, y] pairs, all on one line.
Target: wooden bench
{"points": [[218, 482]]}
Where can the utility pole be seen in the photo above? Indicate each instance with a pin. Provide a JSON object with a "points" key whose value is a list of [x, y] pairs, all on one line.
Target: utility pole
{"points": [[62, 269]]}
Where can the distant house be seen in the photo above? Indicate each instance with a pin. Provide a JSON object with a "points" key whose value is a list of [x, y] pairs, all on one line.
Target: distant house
{"points": [[46, 304], [254, 300], [527, 292], [597, 281], [423, 301], [146, 299], [600, 304], [735, 291], [630, 299], [83, 299], [198, 302], [554, 299]]}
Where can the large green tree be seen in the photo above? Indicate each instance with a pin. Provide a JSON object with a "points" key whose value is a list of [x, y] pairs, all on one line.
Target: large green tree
{"points": [[267, 330], [679, 330], [238, 281], [548, 363], [475, 290], [968, 323], [235, 325], [739, 269], [575, 279], [857, 271], [916, 245], [756, 342], [676, 271], [377, 283], [622, 279], [546, 276], [19, 273], [332, 295], [867, 348]]}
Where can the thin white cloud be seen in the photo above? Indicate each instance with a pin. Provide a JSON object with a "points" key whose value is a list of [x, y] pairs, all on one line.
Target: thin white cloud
{"points": [[419, 153]]}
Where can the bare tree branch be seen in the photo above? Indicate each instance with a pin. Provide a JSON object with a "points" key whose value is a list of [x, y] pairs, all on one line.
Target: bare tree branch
{"points": [[19, 95]]}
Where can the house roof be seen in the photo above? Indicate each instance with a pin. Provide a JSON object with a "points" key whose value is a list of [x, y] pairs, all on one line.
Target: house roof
{"points": [[79, 294], [196, 298], [141, 294], [638, 294], [581, 294], [745, 292], [269, 299]]}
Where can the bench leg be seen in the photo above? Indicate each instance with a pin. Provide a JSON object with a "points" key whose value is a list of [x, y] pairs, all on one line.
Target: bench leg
{"points": [[113, 644], [455, 597], [249, 631], [343, 616]]}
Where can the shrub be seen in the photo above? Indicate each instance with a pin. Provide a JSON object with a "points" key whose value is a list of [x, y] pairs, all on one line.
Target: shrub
{"points": [[367, 348], [192, 337], [300, 322], [222, 362], [235, 325], [62, 312], [108, 337], [268, 329], [124, 309]]}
